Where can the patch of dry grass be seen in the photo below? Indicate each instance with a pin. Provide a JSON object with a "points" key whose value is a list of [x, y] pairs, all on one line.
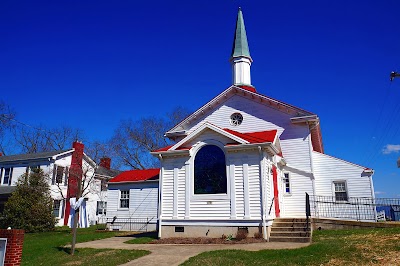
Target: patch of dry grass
{"points": [[331, 247]]}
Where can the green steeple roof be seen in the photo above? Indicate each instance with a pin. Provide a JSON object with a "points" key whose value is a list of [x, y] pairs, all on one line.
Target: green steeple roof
{"points": [[240, 45]]}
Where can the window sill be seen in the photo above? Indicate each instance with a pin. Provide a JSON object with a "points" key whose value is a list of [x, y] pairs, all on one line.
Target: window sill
{"points": [[287, 194], [207, 197]]}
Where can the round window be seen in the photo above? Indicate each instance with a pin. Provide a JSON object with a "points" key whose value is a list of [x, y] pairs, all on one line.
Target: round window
{"points": [[236, 119]]}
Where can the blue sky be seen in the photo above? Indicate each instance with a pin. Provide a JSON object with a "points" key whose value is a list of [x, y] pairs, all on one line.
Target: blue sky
{"points": [[90, 64]]}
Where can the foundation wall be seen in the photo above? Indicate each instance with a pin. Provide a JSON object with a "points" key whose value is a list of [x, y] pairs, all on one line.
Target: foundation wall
{"points": [[324, 224], [168, 231]]}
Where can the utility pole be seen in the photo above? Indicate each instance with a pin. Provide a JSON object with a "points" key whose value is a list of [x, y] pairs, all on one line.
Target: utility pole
{"points": [[393, 75]]}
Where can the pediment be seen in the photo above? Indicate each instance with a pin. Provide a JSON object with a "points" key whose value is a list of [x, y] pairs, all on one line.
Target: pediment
{"points": [[208, 132], [181, 129]]}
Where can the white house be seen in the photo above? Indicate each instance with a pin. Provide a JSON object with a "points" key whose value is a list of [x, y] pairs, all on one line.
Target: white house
{"points": [[133, 200], [244, 158], [57, 165]]}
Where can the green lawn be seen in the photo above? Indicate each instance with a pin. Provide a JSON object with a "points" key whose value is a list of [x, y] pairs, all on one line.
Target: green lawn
{"points": [[331, 247], [48, 249]]}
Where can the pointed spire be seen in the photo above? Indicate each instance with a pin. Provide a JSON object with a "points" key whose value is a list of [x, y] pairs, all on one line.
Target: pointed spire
{"points": [[240, 57], [240, 45]]}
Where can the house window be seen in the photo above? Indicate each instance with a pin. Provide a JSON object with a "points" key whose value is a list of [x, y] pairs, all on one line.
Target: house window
{"points": [[210, 171], [124, 199], [34, 169], [286, 182], [101, 207], [340, 191], [60, 174], [7, 172], [56, 208]]}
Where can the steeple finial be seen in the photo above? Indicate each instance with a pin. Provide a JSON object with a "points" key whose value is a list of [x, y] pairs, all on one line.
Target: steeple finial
{"points": [[240, 56]]}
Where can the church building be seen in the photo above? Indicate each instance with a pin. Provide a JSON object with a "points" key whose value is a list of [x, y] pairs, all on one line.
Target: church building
{"points": [[244, 159]]}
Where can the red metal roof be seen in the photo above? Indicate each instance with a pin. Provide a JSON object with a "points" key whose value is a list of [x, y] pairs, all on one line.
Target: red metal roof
{"points": [[137, 175], [255, 137]]}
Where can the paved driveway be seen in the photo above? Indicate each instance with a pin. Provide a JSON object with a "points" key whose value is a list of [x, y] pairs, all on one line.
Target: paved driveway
{"points": [[166, 254]]}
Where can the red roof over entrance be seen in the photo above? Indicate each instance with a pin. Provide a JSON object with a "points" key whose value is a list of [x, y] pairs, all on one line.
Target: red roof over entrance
{"points": [[137, 175], [255, 137]]}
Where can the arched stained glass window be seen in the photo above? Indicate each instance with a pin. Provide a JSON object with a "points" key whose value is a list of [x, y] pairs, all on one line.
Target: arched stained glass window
{"points": [[210, 171]]}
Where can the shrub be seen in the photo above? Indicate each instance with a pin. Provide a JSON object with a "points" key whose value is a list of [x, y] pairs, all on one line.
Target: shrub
{"points": [[242, 233], [30, 206], [258, 235]]}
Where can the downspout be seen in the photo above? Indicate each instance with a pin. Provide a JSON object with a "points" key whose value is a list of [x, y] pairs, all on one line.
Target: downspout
{"points": [[159, 195], [311, 149], [263, 197]]}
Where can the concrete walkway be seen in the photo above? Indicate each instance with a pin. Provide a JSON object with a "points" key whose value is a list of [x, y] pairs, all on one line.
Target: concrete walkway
{"points": [[167, 254]]}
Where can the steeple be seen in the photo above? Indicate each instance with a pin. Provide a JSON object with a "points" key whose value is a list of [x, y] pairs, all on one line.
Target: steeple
{"points": [[240, 56]]}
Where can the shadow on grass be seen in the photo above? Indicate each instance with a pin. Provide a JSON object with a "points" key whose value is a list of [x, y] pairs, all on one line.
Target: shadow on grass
{"points": [[153, 235], [66, 250]]}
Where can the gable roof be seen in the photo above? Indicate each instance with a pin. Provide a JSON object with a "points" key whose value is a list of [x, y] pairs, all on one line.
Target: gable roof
{"points": [[268, 136], [237, 90], [136, 176], [102, 171], [210, 126], [33, 156]]}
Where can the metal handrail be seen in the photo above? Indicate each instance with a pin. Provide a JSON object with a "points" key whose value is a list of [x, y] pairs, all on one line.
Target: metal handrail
{"points": [[272, 203], [124, 221]]}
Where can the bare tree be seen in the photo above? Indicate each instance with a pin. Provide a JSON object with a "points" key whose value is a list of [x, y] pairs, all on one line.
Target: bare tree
{"points": [[61, 138], [133, 140], [40, 139], [7, 116], [98, 149]]}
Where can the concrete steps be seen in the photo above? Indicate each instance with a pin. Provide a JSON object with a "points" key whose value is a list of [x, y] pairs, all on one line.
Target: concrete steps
{"points": [[290, 230]]}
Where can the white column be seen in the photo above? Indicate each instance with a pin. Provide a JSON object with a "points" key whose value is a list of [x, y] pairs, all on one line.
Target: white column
{"points": [[233, 190], [175, 201], [188, 189], [246, 191]]}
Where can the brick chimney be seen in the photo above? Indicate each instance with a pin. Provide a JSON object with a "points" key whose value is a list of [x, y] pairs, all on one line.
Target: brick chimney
{"points": [[105, 162], [1, 154], [75, 176]]}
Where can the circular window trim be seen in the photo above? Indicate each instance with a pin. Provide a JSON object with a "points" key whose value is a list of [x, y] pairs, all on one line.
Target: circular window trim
{"points": [[236, 119]]}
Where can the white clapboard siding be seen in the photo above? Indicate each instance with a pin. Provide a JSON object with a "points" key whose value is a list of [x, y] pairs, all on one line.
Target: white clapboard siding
{"points": [[167, 190], [239, 189], [143, 200], [328, 169], [256, 117], [297, 153], [112, 201], [210, 209], [294, 203], [254, 188]]}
